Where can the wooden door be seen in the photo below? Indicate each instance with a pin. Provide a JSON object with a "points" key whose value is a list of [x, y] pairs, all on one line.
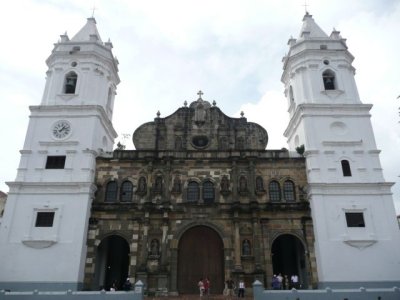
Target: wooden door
{"points": [[201, 254]]}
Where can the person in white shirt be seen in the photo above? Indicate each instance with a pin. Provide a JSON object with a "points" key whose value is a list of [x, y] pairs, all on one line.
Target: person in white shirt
{"points": [[241, 289]]}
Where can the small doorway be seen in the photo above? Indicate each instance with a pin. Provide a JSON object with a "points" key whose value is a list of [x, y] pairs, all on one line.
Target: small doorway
{"points": [[200, 255], [288, 258], [112, 262]]}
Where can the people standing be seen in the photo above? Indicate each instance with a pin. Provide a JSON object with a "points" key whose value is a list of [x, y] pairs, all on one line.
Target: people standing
{"points": [[285, 282], [206, 284], [275, 283], [200, 284], [230, 285], [280, 279], [241, 289], [295, 281], [127, 285]]}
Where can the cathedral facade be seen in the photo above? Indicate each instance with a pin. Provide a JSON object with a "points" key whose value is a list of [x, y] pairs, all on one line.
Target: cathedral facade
{"points": [[200, 196]]}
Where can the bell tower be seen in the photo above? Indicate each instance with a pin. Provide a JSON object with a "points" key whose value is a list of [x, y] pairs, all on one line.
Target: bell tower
{"points": [[44, 229], [356, 232]]}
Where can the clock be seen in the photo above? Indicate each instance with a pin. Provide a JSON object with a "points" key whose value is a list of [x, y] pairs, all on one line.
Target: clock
{"points": [[61, 129]]}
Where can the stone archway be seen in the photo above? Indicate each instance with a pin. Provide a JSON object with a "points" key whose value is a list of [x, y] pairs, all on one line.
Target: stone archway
{"points": [[112, 262], [288, 257], [200, 254]]}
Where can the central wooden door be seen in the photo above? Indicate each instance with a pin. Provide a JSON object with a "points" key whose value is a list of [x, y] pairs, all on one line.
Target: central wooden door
{"points": [[200, 255]]}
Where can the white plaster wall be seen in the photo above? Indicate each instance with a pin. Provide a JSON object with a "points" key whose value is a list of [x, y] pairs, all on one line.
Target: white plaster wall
{"points": [[59, 262], [356, 254]]}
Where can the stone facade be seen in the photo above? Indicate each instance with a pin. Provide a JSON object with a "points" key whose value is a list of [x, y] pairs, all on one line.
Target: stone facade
{"points": [[151, 197]]}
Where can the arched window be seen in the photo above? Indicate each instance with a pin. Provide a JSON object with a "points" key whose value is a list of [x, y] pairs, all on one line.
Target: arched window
{"points": [[208, 192], [329, 80], [111, 192], [274, 191], [289, 191], [193, 191], [126, 191], [346, 168], [70, 83]]}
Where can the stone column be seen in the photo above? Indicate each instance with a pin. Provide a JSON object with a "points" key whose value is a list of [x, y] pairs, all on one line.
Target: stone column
{"points": [[144, 250], [238, 263], [234, 180], [267, 251], [164, 240], [257, 248], [251, 181], [174, 268]]}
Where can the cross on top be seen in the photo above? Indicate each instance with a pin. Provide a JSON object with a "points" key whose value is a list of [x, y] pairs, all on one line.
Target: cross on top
{"points": [[93, 9], [305, 6], [200, 93]]}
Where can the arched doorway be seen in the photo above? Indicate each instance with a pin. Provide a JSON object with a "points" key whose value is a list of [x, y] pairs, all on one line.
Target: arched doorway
{"points": [[200, 254], [288, 258], [112, 262]]}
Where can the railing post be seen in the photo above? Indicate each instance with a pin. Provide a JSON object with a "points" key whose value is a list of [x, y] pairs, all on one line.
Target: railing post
{"points": [[258, 289], [139, 289]]}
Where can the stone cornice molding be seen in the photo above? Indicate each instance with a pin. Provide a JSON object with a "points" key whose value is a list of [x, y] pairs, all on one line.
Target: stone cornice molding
{"points": [[377, 188]]}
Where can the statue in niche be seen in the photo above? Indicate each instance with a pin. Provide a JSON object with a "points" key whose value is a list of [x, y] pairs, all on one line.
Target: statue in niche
{"points": [[242, 184], [223, 143], [224, 185], [178, 143], [176, 188], [240, 143], [246, 247], [259, 184], [158, 184], [142, 186], [200, 114], [154, 247]]}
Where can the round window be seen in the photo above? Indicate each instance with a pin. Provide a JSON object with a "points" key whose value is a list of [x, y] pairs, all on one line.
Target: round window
{"points": [[200, 141]]}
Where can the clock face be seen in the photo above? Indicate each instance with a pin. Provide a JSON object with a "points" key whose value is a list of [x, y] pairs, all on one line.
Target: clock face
{"points": [[61, 129]]}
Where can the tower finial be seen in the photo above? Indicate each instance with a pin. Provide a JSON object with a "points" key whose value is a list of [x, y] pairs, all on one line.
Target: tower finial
{"points": [[305, 7], [93, 9], [200, 93]]}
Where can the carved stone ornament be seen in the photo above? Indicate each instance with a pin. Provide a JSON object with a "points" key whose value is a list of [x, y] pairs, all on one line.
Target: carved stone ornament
{"points": [[39, 244], [224, 186], [360, 244], [142, 186]]}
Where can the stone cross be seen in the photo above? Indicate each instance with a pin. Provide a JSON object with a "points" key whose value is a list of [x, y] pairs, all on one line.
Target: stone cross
{"points": [[200, 93]]}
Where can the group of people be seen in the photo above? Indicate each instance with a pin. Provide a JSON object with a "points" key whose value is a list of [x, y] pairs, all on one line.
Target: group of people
{"points": [[280, 282], [204, 286], [230, 288]]}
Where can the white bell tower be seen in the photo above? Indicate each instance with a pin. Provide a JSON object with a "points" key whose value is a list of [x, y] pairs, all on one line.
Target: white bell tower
{"points": [[44, 229], [357, 238]]}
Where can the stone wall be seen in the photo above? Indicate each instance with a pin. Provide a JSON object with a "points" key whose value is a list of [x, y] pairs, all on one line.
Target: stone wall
{"points": [[239, 211]]}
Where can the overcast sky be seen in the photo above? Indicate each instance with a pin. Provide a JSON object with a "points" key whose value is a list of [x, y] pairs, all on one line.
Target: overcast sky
{"points": [[168, 50]]}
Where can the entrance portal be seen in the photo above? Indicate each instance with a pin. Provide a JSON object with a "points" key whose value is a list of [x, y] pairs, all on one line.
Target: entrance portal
{"points": [[200, 255], [112, 262], [288, 258]]}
